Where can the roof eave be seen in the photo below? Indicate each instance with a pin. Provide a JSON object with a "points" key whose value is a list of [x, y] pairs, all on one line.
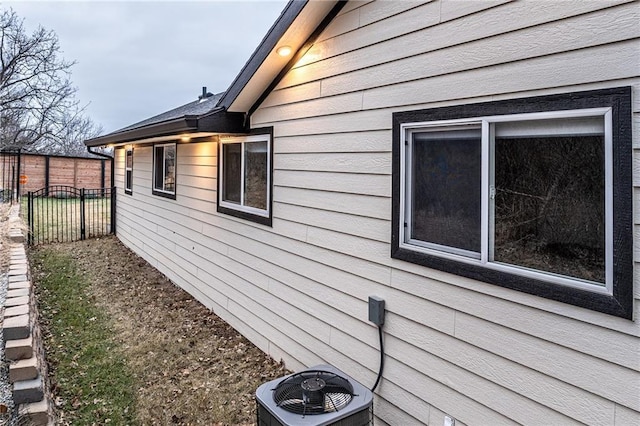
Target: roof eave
{"points": [[219, 121], [288, 15], [176, 126]]}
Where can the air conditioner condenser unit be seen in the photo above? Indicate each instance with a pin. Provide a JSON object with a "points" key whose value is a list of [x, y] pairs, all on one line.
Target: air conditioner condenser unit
{"points": [[319, 396]]}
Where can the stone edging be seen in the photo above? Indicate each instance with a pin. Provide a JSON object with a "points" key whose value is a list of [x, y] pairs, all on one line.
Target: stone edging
{"points": [[23, 343]]}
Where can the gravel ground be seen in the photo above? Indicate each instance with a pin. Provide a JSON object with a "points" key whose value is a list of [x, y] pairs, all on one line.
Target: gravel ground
{"points": [[6, 399]]}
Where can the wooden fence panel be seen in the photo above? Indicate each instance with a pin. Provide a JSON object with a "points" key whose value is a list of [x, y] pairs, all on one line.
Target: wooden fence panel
{"points": [[40, 171]]}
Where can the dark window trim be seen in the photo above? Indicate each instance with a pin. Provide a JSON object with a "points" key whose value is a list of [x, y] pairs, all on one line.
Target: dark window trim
{"points": [[264, 220], [620, 303], [154, 191], [128, 191]]}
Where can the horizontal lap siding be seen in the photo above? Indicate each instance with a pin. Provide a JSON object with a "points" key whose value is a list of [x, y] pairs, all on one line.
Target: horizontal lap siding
{"points": [[299, 289], [478, 352], [200, 251]]}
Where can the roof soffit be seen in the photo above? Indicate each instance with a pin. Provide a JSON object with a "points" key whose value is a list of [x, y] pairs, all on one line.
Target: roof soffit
{"points": [[295, 36]]}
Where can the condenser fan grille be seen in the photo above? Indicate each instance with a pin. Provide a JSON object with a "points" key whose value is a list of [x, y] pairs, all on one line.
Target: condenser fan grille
{"points": [[313, 392]]}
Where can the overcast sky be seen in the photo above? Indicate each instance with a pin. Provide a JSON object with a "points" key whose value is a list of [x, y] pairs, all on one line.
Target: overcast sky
{"points": [[138, 59]]}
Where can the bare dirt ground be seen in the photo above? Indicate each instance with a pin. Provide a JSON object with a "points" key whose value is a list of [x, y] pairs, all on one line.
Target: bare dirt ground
{"points": [[190, 366]]}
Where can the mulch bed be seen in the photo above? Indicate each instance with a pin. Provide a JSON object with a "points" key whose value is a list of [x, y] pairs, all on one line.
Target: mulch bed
{"points": [[190, 367]]}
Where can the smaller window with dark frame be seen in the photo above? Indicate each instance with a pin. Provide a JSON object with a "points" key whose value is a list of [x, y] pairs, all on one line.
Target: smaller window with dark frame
{"points": [[164, 170], [128, 171], [245, 177]]}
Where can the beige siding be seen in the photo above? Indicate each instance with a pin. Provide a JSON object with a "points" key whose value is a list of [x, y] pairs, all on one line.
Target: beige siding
{"points": [[477, 352]]}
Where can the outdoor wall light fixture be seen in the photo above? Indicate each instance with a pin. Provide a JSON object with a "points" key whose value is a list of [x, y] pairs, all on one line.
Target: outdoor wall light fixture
{"points": [[185, 138], [284, 50]]}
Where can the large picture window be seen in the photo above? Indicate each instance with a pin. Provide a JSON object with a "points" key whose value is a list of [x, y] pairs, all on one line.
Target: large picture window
{"points": [[128, 171], [529, 196], [164, 170], [245, 177]]}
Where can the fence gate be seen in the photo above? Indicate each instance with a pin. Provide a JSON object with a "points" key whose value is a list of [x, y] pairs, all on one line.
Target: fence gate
{"points": [[9, 176], [64, 213]]}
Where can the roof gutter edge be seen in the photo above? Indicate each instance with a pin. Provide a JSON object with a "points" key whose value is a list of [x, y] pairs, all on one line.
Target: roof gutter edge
{"points": [[186, 123]]}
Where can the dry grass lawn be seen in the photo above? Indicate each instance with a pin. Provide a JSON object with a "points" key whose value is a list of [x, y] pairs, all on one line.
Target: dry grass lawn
{"points": [[58, 219], [189, 366]]}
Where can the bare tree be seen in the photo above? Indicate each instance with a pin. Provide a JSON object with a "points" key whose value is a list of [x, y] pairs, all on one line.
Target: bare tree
{"points": [[75, 130], [35, 87], [70, 130]]}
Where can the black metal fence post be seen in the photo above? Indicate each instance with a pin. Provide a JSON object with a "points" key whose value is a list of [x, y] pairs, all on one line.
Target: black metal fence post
{"points": [[18, 178], [102, 185], [46, 175], [13, 183], [30, 217], [83, 234], [113, 210]]}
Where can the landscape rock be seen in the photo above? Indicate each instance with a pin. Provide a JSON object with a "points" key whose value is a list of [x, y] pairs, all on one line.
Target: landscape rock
{"points": [[26, 391]]}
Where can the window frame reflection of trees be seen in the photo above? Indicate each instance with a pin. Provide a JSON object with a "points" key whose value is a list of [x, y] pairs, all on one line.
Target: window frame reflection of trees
{"points": [[580, 142], [164, 170], [128, 170], [245, 176], [572, 127]]}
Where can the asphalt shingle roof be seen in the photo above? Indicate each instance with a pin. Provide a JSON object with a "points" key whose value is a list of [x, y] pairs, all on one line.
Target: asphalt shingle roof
{"points": [[195, 108]]}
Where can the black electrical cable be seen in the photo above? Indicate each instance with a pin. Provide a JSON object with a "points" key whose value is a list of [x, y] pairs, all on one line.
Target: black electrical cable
{"points": [[381, 360]]}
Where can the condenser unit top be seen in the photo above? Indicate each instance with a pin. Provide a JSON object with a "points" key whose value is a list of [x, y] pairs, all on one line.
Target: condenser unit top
{"points": [[318, 396]]}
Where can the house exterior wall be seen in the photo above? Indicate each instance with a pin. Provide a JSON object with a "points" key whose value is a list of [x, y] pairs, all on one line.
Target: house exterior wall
{"points": [[298, 290]]}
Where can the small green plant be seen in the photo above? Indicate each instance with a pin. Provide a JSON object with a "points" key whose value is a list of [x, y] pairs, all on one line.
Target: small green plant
{"points": [[90, 379]]}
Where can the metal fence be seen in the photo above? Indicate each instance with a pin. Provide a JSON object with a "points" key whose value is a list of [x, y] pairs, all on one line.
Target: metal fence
{"points": [[64, 213], [9, 176]]}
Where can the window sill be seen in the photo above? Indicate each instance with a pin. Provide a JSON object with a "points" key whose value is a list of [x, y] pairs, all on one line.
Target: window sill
{"points": [[596, 301], [263, 220], [163, 194]]}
